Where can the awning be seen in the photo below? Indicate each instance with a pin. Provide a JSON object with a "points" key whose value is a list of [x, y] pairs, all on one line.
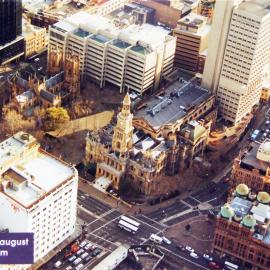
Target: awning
{"points": [[102, 183]]}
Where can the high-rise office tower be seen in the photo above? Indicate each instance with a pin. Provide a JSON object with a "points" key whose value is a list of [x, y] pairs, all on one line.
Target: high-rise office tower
{"points": [[11, 41], [216, 43], [10, 20], [246, 53]]}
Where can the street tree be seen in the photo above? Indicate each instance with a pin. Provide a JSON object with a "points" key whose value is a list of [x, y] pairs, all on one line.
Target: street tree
{"points": [[55, 118], [13, 121]]}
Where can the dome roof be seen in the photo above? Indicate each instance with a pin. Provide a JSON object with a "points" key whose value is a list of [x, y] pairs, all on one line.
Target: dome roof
{"points": [[263, 197], [242, 190], [249, 221], [227, 211]]}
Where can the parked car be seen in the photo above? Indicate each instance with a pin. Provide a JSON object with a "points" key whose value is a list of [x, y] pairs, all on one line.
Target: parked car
{"points": [[180, 247], [84, 255], [88, 258], [214, 265], [190, 249], [166, 240], [77, 261], [72, 258], [83, 243], [79, 252], [88, 246], [57, 264], [207, 257], [69, 268], [80, 266], [194, 255], [96, 252]]}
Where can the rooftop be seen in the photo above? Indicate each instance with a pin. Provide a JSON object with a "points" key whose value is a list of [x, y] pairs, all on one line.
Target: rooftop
{"points": [[250, 161], [179, 98], [84, 25], [100, 38], [13, 146], [251, 212], [25, 180], [194, 23]]}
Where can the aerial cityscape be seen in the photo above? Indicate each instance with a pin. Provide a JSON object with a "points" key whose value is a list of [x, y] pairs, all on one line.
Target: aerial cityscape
{"points": [[134, 134]]}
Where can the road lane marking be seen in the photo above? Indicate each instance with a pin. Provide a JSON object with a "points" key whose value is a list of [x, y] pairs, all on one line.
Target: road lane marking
{"points": [[184, 258], [147, 224], [187, 204], [195, 199], [101, 216], [152, 220], [177, 215], [104, 225]]}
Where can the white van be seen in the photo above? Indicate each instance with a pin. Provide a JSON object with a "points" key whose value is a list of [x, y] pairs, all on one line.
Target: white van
{"points": [[155, 238]]}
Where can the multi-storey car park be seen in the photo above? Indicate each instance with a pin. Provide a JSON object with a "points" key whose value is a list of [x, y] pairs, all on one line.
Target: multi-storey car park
{"points": [[131, 56]]}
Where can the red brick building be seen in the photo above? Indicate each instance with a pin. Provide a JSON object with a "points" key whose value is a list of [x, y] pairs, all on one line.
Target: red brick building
{"points": [[243, 229]]}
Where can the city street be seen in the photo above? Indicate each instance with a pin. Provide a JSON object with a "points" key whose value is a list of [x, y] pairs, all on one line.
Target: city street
{"points": [[101, 222]]}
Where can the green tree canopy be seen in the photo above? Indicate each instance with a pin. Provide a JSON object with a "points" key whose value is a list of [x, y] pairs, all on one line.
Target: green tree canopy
{"points": [[55, 117]]}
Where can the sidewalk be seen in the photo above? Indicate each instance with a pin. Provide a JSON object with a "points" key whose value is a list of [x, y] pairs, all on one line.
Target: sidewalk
{"points": [[133, 209]]}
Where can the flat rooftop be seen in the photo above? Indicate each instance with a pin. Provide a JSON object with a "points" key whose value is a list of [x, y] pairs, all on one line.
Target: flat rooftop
{"points": [[30, 173], [15, 145], [179, 98], [82, 23], [250, 161]]}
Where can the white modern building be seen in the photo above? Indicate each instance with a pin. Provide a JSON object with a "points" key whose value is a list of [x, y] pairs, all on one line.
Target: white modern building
{"points": [[246, 53], [217, 42], [128, 55], [38, 193]]}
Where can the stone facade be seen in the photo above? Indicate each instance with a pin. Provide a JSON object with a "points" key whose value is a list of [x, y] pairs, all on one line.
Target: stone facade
{"points": [[28, 88], [122, 153]]}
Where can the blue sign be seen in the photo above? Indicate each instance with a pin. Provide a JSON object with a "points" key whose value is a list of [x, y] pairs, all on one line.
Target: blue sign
{"points": [[16, 248]]}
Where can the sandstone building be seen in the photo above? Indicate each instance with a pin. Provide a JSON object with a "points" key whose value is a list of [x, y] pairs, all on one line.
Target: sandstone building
{"points": [[135, 152]]}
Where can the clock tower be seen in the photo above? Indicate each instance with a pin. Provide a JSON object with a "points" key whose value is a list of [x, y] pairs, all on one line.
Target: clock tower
{"points": [[122, 136]]}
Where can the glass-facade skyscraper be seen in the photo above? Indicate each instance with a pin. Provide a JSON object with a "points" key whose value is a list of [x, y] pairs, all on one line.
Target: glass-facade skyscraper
{"points": [[10, 20], [11, 41]]}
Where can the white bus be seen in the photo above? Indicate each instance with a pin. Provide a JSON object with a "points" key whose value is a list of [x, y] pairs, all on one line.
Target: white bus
{"points": [[131, 221], [128, 224], [231, 266]]}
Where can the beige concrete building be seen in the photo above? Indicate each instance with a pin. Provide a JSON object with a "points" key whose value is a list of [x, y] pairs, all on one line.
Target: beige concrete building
{"points": [[192, 33], [217, 41], [246, 53], [129, 56], [35, 39]]}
